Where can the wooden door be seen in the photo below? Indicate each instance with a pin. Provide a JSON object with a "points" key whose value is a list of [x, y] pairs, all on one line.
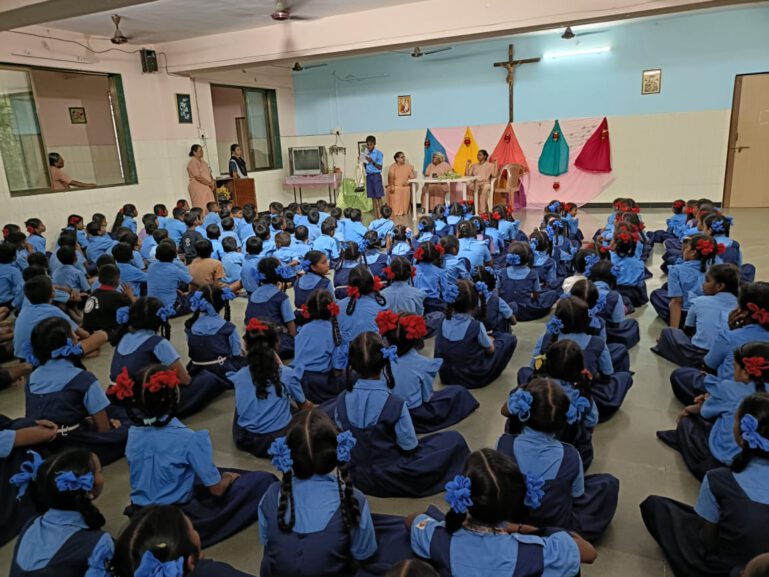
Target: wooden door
{"points": [[747, 161]]}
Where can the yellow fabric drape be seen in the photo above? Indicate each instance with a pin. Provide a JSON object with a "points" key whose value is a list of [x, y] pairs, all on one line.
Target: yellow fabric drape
{"points": [[468, 150]]}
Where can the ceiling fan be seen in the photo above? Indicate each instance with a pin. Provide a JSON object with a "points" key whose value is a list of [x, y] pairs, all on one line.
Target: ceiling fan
{"points": [[283, 12], [118, 37], [297, 67], [569, 34], [418, 52]]}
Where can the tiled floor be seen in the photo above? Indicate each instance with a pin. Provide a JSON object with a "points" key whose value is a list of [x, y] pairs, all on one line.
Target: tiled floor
{"points": [[625, 446]]}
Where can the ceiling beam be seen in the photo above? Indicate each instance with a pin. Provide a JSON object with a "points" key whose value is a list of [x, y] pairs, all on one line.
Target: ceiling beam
{"points": [[29, 13]]}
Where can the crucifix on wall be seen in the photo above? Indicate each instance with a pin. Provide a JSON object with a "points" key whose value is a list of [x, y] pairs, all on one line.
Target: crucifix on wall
{"points": [[510, 65]]}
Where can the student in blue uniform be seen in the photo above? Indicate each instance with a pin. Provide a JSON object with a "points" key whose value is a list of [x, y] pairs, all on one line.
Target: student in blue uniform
{"points": [[673, 224], [60, 390], [313, 225], [133, 276], [430, 277], [455, 216], [359, 309], [519, 285], [705, 432], [35, 238], [213, 342], [66, 540], [212, 214], [349, 259], [499, 315], [69, 240], [218, 511], [425, 232], [474, 250], [354, 229], [619, 329], [126, 217], [165, 276], [629, 269], [300, 244], [228, 230], [68, 275], [558, 493], [248, 272], [401, 295], [684, 280], [723, 529], [400, 243], [141, 346], [371, 255], [99, 241], [388, 459], [326, 242], [314, 277], [264, 391], [232, 261], [383, 225], [482, 533], [414, 375], [283, 251], [707, 315], [507, 225], [439, 220], [160, 540], [571, 321], [470, 357], [175, 225], [314, 522], [456, 267], [270, 302], [542, 261], [320, 358]]}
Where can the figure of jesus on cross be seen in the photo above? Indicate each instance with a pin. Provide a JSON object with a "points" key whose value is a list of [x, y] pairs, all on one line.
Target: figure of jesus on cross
{"points": [[510, 64]]}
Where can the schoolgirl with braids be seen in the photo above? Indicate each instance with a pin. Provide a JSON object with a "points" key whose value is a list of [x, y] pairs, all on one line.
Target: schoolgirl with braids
{"points": [[583, 259], [399, 243], [562, 248], [349, 259], [316, 264], [629, 269], [482, 533], [371, 255], [66, 540], [60, 390], [320, 357], [264, 391], [571, 321], [542, 261], [315, 509], [213, 342], [456, 267], [499, 316], [719, 227], [558, 494], [455, 216], [520, 287], [470, 357], [270, 302], [357, 312], [470, 247], [425, 232], [430, 277], [674, 223], [388, 459], [724, 529], [35, 239], [167, 459], [705, 431], [160, 539], [141, 346], [685, 280], [619, 329], [509, 228], [401, 295], [440, 220], [414, 374]]}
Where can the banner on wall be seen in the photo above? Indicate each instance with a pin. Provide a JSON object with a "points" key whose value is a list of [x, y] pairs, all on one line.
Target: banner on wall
{"points": [[596, 154], [508, 150], [468, 151], [431, 147], [554, 160]]}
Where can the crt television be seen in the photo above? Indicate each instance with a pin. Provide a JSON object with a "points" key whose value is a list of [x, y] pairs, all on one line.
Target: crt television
{"points": [[307, 160]]}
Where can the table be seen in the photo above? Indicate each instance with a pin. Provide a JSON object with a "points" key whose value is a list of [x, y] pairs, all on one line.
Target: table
{"points": [[332, 181], [418, 183]]}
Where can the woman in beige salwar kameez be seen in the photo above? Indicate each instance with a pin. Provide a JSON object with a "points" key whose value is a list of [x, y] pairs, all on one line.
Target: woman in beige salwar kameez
{"points": [[202, 184], [398, 188], [485, 172], [436, 192]]}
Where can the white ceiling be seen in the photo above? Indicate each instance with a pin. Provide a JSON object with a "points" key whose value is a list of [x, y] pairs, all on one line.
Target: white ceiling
{"points": [[168, 20]]}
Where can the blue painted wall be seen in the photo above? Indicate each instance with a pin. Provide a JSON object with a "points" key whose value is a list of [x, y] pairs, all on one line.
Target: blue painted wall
{"points": [[699, 55]]}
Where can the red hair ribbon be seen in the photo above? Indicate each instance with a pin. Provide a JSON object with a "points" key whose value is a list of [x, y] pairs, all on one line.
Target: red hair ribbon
{"points": [[378, 284], [635, 210], [705, 247], [256, 325], [484, 216], [121, 211], [123, 387], [6, 231], [74, 220], [509, 211], [679, 204], [587, 374], [758, 314], [415, 327], [386, 321], [162, 379], [624, 237], [755, 366], [333, 308], [413, 272], [603, 249], [30, 229], [305, 311], [496, 216], [419, 254], [440, 249], [470, 202], [389, 273], [721, 248], [353, 292]]}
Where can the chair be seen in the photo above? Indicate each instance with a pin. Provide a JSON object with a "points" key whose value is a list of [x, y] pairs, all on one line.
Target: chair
{"points": [[507, 189]]}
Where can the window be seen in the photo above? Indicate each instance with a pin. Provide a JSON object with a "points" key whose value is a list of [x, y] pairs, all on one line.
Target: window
{"points": [[248, 117], [79, 116]]}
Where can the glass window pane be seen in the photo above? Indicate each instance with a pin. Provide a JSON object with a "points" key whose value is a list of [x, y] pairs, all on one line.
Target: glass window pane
{"points": [[20, 139], [258, 127]]}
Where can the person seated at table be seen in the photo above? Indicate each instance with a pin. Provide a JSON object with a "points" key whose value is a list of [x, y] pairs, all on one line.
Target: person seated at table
{"points": [[436, 192], [485, 172]]}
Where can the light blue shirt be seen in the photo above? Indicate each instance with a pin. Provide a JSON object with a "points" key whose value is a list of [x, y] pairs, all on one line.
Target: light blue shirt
{"points": [[315, 350], [431, 280], [708, 314], [164, 351], [725, 396], [232, 234], [328, 245], [377, 157], [28, 319], [55, 375], [248, 272], [414, 375], [207, 325], [11, 285], [176, 228], [404, 298], [382, 226], [364, 405], [685, 281], [163, 463], [363, 318], [7, 440], [475, 251], [129, 223], [273, 413], [163, 280], [354, 231], [401, 248], [455, 329], [37, 243], [233, 266], [752, 480], [604, 360], [54, 264], [631, 270], [212, 218], [97, 246], [721, 354], [133, 276], [265, 292], [455, 267], [618, 313]]}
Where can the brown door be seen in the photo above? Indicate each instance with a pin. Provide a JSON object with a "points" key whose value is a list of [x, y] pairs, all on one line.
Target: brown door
{"points": [[747, 161]]}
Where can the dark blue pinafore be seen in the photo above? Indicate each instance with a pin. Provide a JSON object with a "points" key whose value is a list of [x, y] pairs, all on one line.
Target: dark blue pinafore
{"points": [[14, 513], [517, 294], [270, 310], [625, 332], [71, 560], [213, 353]]}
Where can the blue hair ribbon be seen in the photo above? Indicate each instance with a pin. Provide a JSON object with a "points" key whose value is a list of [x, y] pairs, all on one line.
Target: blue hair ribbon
{"points": [[534, 491], [345, 442], [27, 474], [482, 289], [199, 303], [285, 272], [451, 293], [750, 434], [281, 455], [29, 354], [533, 244], [166, 312], [459, 494], [122, 315], [68, 350], [151, 567], [616, 271], [513, 259], [258, 277], [554, 325], [305, 264], [390, 353], [519, 404], [590, 261], [577, 409], [227, 294], [68, 481]]}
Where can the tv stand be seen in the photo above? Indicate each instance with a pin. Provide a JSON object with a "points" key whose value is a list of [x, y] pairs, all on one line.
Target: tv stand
{"points": [[332, 181]]}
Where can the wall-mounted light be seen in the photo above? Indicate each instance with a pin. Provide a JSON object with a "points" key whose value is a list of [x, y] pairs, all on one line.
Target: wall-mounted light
{"points": [[568, 53]]}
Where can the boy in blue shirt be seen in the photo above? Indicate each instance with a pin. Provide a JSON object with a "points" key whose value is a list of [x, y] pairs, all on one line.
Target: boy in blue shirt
{"points": [[327, 242], [191, 236], [99, 241], [11, 281], [300, 245], [164, 275], [69, 278], [250, 262], [373, 166], [313, 218], [213, 214], [232, 261], [228, 230], [175, 226], [214, 233], [129, 274]]}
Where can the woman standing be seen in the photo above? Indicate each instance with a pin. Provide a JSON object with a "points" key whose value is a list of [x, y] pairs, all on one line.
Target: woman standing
{"points": [[436, 192], [237, 164], [485, 171], [202, 184], [398, 188]]}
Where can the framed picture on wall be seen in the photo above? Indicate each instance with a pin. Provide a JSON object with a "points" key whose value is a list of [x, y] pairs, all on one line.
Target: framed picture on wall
{"points": [[184, 108], [77, 115], [404, 105], [651, 81]]}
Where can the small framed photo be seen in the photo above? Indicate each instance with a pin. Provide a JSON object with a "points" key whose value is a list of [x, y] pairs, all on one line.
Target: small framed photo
{"points": [[362, 151], [77, 115], [404, 105], [651, 81], [184, 108]]}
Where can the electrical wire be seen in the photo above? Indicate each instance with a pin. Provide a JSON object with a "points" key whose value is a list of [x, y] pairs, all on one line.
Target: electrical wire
{"points": [[44, 37]]}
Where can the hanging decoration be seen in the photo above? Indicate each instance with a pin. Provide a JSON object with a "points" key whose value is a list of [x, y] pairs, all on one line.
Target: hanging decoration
{"points": [[431, 147], [508, 150], [554, 159], [468, 150], [596, 154]]}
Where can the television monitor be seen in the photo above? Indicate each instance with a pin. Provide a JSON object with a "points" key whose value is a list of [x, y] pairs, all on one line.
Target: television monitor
{"points": [[307, 160]]}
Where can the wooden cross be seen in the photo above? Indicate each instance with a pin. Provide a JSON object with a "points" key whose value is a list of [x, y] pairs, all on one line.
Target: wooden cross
{"points": [[510, 64]]}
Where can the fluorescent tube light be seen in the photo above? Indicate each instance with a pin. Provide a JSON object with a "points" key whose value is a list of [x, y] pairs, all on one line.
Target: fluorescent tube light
{"points": [[567, 53]]}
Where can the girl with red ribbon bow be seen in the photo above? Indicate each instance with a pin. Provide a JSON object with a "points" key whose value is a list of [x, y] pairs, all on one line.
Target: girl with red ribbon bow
{"points": [[363, 302], [316, 278], [430, 277], [401, 295]]}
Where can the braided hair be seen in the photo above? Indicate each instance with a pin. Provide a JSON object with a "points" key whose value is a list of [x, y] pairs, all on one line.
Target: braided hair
{"points": [[467, 301], [497, 490], [566, 361], [756, 405], [439, 213], [368, 361], [425, 224], [409, 333], [143, 315], [754, 299], [312, 438], [214, 295], [429, 253], [262, 342], [362, 281], [268, 266], [401, 270], [573, 313], [752, 350], [350, 253], [49, 335], [704, 248], [321, 306]]}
